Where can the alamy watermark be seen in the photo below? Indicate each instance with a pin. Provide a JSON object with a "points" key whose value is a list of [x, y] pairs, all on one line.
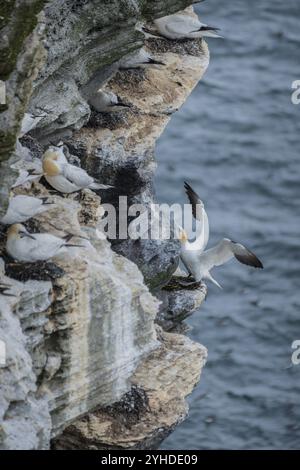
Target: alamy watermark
{"points": [[144, 222], [296, 354], [2, 92], [295, 98], [2, 353]]}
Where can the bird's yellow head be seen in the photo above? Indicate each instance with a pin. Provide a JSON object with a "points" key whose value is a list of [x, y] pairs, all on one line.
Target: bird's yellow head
{"points": [[50, 166], [183, 238], [15, 231], [18, 231]]}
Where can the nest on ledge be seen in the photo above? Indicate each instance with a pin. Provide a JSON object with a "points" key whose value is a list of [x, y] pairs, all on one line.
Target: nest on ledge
{"points": [[175, 284], [192, 47]]}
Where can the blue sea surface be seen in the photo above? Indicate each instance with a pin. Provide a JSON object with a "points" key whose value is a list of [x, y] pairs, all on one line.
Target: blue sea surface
{"points": [[237, 142]]}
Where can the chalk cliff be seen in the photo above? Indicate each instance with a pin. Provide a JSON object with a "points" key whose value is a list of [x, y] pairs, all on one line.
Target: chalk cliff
{"points": [[94, 354]]}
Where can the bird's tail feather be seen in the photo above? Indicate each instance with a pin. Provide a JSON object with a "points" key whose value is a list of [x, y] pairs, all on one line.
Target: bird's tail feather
{"points": [[69, 236], [46, 202], [100, 186], [155, 62], [210, 278], [70, 245]]}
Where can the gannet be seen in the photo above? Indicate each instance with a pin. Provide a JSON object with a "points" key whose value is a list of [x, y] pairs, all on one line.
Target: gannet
{"points": [[29, 122], [58, 150], [22, 208], [31, 247], [103, 101], [184, 26], [26, 176], [199, 262], [64, 177], [139, 59], [200, 215]]}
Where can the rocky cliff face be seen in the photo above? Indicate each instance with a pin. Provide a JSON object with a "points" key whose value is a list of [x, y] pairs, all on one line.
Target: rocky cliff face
{"points": [[87, 364]]}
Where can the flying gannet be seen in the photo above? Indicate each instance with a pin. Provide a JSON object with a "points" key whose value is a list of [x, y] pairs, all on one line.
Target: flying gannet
{"points": [[199, 262], [105, 101], [64, 177], [184, 26], [22, 208], [32, 247], [139, 59]]}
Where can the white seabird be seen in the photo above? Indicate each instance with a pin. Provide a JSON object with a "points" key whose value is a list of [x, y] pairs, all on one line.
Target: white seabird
{"points": [[26, 176], [105, 101], [184, 26], [139, 59], [22, 208], [64, 177], [199, 262], [29, 122], [32, 247]]}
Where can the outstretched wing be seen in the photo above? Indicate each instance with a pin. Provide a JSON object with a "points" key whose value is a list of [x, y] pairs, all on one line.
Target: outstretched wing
{"points": [[224, 251], [77, 176], [199, 214], [195, 201]]}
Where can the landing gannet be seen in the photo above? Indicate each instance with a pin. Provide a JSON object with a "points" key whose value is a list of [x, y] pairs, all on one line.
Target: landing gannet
{"points": [[64, 177], [103, 101], [139, 59], [22, 208], [184, 26], [199, 262], [31, 247]]}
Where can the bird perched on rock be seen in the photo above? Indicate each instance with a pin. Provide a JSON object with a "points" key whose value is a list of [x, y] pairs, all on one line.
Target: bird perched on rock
{"points": [[64, 177], [29, 122], [22, 208], [31, 247], [106, 101], [183, 25], [140, 59], [199, 262], [27, 176], [58, 150]]}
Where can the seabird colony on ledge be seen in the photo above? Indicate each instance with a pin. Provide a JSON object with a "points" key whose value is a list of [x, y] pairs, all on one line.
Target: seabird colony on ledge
{"points": [[67, 178]]}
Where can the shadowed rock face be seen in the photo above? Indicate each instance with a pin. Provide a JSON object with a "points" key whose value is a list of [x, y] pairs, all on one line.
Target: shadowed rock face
{"points": [[80, 330]]}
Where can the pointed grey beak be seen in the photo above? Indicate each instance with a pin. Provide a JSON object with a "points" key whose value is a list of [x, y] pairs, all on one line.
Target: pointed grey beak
{"points": [[124, 105], [155, 62], [32, 172], [26, 234]]}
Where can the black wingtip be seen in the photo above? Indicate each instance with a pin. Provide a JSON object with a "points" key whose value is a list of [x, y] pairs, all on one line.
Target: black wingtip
{"points": [[189, 190], [187, 187], [46, 202], [154, 62], [32, 172], [208, 28], [6, 294], [68, 237], [250, 260]]}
